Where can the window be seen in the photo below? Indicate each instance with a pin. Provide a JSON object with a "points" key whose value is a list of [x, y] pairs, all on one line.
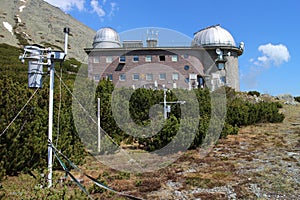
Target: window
{"points": [[186, 67], [200, 80], [174, 58], [120, 67], [122, 59], [148, 58], [187, 80], [108, 59], [135, 58], [135, 77], [97, 77], [221, 65], [149, 77], [122, 77], [96, 59], [223, 79], [162, 76], [162, 58], [174, 85], [175, 76], [186, 56], [193, 76], [110, 77]]}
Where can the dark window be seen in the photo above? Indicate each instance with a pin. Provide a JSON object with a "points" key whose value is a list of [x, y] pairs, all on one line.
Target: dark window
{"points": [[122, 59], [221, 65], [110, 77], [223, 79], [162, 58], [97, 77], [135, 77], [135, 58], [120, 67], [122, 77], [200, 80], [162, 76]]}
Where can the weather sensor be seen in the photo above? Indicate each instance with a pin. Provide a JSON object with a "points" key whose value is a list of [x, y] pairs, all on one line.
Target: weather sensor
{"points": [[39, 56]]}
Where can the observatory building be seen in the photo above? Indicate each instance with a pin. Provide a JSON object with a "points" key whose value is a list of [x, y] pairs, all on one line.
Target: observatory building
{"points": [[209, 61]]}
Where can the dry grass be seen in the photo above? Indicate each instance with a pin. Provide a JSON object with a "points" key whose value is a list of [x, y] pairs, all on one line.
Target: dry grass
{"points": [[261, 162]]}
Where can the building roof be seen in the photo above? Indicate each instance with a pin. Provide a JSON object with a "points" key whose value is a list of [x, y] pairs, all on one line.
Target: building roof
{"points": [[213, 36], [106, 38]]}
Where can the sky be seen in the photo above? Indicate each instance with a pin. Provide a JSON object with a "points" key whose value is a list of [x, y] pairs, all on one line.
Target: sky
{"points": [[270, 30]]}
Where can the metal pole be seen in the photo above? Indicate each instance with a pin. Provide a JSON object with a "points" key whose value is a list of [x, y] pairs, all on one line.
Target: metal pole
{"points": [[165, 103], [51, 91], [66, 31], [50, 125], [99, 127]]}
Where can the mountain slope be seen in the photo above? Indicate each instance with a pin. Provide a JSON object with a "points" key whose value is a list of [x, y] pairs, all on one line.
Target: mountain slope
{"points": [[37, 22]]}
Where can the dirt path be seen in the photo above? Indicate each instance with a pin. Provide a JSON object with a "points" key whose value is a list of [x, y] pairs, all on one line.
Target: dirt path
{"points": [[261, 162]]}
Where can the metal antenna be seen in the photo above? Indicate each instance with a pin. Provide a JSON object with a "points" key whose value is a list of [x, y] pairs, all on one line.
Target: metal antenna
{"points": [[99, 127], [36, 55], [66, 31]]}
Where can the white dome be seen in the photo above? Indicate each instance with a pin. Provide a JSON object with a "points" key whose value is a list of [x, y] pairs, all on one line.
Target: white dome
{"points": [[106, 38], [213, 36]]}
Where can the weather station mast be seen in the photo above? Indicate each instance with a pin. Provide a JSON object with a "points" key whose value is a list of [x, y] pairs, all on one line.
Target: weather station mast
{"points": [[38, 57]]}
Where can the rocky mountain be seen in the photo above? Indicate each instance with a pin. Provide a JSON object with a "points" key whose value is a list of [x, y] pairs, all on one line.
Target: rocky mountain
{"points": [[37, 22]]}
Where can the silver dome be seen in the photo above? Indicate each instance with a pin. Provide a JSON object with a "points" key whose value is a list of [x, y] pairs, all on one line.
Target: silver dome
{"points": [[106, 38], [213, 36]]}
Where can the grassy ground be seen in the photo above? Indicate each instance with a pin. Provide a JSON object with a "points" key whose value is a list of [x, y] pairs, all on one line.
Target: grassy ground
{"points": [[261, 162]]}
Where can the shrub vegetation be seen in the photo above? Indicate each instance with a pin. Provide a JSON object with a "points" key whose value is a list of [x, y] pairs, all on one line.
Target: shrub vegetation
{"points": [[23, 147]]}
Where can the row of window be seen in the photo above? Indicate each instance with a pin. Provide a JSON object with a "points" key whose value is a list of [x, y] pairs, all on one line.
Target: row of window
{"points": [[148, 58], [136, 77]]}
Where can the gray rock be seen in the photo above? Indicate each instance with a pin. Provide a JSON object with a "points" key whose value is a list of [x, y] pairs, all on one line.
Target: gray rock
{"points": [[288, 98], [38, 22]]}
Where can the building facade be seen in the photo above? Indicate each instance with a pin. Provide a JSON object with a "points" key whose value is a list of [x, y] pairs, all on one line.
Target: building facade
{"points": [[210, 61]]}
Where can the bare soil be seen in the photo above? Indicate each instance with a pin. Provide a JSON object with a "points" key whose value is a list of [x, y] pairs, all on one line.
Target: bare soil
{"points": [[261, 162]]}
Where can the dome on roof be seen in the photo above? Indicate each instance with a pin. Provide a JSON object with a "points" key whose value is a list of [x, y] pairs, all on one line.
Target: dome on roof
{"points": [[213, 36], [106, 38]]}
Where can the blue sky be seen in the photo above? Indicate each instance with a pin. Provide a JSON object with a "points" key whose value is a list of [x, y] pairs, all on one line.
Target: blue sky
{"points": [[269, 29]]}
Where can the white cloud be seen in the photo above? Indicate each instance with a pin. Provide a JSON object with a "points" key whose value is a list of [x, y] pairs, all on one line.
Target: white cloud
{"points": [[113, 8], [273, 55], [67, 5], [101, 8], [97, 8]]}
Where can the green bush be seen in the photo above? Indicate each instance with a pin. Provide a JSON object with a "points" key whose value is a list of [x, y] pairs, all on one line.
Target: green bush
{"points": [[297, 98], [252, 93], [23, 147], [228, 129], [239, 113]]}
